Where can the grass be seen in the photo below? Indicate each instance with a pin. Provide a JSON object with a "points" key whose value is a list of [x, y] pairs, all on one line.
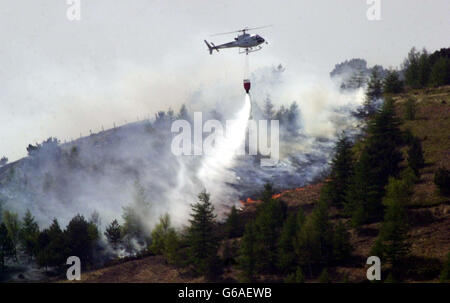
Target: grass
{"points": [[432, 126]]}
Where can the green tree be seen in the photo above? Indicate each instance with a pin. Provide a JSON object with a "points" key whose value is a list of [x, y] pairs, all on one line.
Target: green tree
{"points": [[440, 72], [412, 69], [424, 68], [392, 243], [52, 247], [247, 254], [232, 225], [81, 237], [201, 239], [135, 216], [314, 240], [12, 223], [113, 233], [341, 173], [341, 243], [410, 109], [159, 234], [378, 161], [268, 223], [286, 253], [415, 156], [373, 92], [29, 234], [6, 246], [172, 244], [392, 83]]}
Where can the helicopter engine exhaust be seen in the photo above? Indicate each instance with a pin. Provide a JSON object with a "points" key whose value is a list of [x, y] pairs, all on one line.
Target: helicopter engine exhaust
{"points": [[247, 85]]}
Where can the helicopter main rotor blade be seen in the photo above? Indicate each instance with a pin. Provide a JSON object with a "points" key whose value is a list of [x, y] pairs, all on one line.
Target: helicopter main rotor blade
{"points": [[241, 30]]}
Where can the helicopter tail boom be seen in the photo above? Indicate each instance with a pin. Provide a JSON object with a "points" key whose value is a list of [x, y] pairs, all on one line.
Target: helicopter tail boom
{"points": [[211, 48]]}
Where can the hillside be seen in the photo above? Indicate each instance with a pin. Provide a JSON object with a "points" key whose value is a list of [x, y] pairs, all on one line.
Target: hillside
{"points": [[428, 212]]}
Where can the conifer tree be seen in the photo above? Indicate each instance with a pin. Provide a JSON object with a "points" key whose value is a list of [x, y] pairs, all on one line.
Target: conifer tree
{"points": [[373, 92], [172, 245], [392, 83], [201, 238], [232, 224], [314, 241], [29, 235], [341, 173], [412, 69], [378, 161], [6, 246], [268, 223], [392, 243], [52, 246], [410, 109], [415, 156], [247, 254], [113, 233], [159, 234], [12, 223], [341, 243], [286, 254]]}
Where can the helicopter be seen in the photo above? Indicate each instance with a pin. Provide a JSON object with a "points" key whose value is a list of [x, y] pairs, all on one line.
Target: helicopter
{"points": [[249, 43]]}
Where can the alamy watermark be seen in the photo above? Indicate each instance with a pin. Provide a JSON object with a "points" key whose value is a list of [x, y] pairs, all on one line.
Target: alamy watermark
{"points": [[263, 138], [73, 12], [374, 11]]}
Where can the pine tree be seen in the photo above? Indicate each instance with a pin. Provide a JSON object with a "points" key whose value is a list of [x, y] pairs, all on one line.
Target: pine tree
{"points": [[201, 239], [81, 237], [392, 243], [341, 173], [172, 245], [373, 92], [29, 234], [440, 72], [379, 160], [410, 109], [412, 69], [286, 254], [6, 246], [268, 223], [314, 241], [415, 156], [159, 234], [424, 69], [247, 254], [51, 247], [113, 233], [341, 243], [392, 83], [232, 225], [12, 223]]}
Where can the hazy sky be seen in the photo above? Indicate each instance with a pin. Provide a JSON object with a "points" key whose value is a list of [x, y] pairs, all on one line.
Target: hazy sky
{"points": [[127, 59]]}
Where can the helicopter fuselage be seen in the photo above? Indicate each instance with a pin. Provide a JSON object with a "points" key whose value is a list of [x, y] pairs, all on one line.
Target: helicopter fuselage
{"points": [[246, 41], [243, 41]]}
